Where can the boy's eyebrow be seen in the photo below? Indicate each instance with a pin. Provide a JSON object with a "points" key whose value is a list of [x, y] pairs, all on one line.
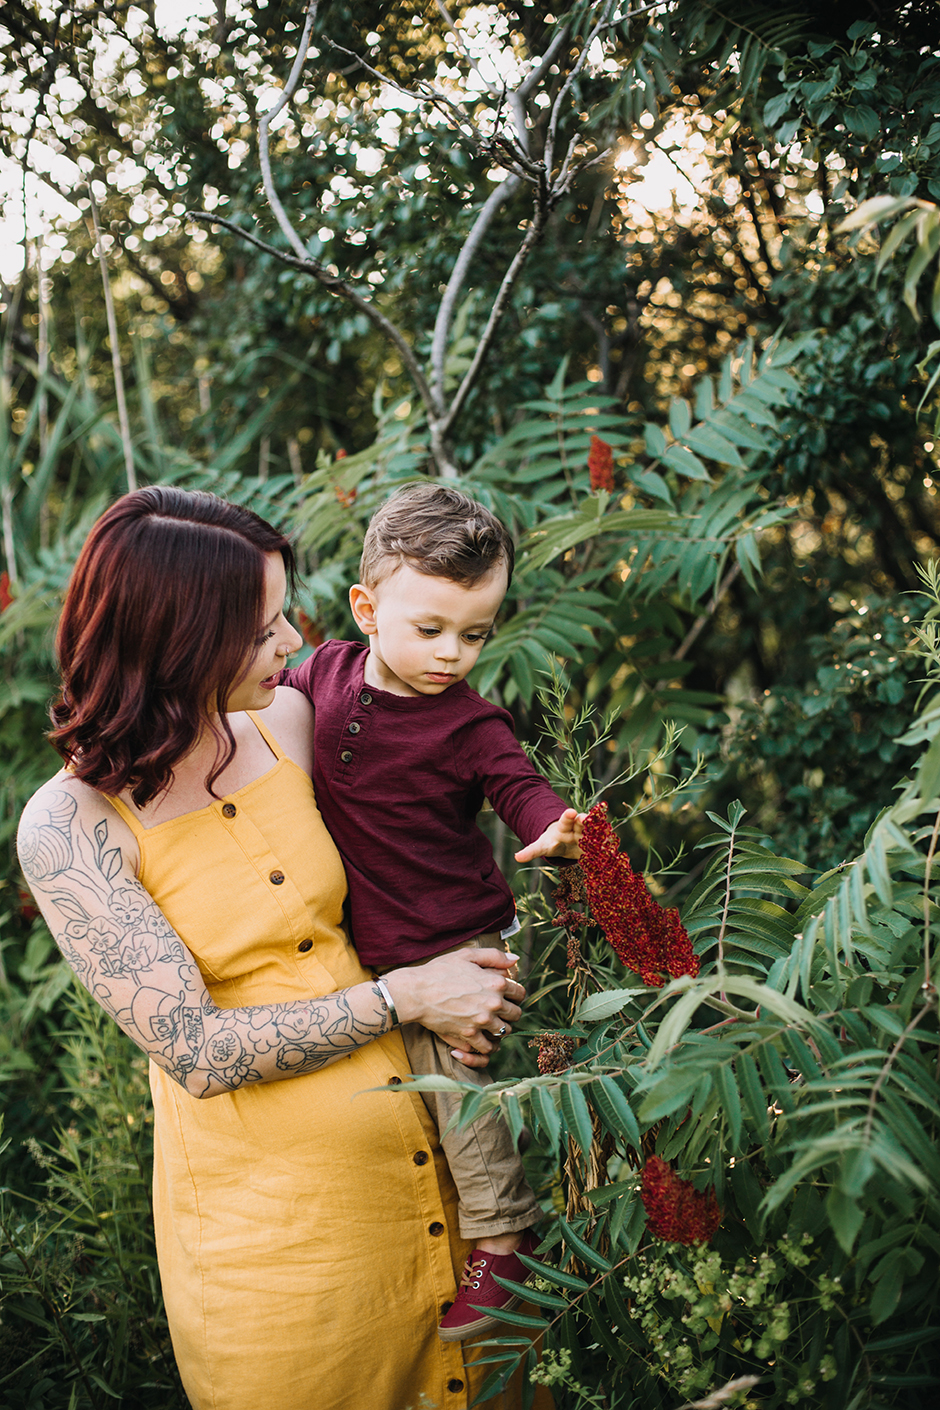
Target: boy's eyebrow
{"points": [[431, 617]]}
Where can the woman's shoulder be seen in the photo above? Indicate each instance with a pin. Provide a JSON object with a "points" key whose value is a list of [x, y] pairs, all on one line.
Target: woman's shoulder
{"points": [[289, 717], [65, 823], [66, 794]]}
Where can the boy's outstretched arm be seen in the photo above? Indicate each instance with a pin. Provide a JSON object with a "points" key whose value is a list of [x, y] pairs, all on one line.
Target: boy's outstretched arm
{"points": [[560, 839]]}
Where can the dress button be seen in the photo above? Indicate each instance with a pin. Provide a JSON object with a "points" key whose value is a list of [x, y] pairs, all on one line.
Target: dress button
{"points": [[365, 698], [346, 755], [394, 1081], [276, 878], [435, 1229], [304, 946], [420, 1157], [455, 1385], [354, 728], [229, 810]]}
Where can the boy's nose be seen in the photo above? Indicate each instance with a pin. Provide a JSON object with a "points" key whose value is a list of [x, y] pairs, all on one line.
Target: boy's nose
{"points": [[448, 649]]}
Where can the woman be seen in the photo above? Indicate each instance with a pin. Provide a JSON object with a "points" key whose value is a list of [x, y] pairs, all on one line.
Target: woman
{"points": [[302, 1209]]}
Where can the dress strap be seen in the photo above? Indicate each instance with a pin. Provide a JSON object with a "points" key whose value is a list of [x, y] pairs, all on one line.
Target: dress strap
{"points": [[131, 818], [266, 734]]}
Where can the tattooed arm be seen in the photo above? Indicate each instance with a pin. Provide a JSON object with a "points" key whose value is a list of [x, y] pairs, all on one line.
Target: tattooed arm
{"points": [[79, 858]]}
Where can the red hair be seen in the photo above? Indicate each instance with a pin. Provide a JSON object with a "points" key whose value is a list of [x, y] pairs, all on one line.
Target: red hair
{"points": [[162, 610]]}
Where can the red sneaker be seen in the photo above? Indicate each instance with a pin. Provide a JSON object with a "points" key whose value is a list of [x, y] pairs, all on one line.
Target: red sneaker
{"points": [[478, 1288]]}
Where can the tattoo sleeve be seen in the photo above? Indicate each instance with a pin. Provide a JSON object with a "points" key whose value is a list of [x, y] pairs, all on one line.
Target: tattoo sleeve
{"points": [[124, 951]]}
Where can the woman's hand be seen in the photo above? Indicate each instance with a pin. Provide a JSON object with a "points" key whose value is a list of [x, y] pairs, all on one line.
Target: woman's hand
{"points": [[467, 997]]}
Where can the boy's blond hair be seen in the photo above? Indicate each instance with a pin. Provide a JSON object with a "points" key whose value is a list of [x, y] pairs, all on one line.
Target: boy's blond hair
{"points": [[437, 530]]}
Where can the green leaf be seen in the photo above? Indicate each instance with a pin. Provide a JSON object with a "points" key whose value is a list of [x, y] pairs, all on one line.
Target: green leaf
{"points": [[846, 1217], [730, 1102], [675, 1023], [888, 1290], [583, 1250], [535, 1295], [680, 418], [616, 1110], [544, 1103], [714, 446], [560, 1277], [928, 773], [577, 1115], [496, 1382], [596, 1007], [900, 1340], [753, 1094], [519, 1319], [685, 462], [655, 440], [875, 209], [775, 107]]}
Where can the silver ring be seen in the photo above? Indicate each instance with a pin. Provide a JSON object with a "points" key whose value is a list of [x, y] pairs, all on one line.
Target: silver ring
{"points": [[501, 1031]]}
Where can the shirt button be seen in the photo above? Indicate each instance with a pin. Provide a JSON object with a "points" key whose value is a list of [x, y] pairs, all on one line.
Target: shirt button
{"points": [[304, 946], [394, 1081], [229, 810], [435, 1229], [365, 698], [420, 1157], [276, 878], [455, 1385], [346, 755], [354, 728]]}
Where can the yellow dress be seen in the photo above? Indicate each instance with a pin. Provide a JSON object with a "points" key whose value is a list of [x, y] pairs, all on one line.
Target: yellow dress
{"points": [[306, 1229]]}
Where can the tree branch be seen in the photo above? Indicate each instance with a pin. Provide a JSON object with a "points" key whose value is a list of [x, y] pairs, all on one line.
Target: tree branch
{"points": [[566, 86], [123, 421], [445, 313], [336, 285], [532, 236], [264, 153]]}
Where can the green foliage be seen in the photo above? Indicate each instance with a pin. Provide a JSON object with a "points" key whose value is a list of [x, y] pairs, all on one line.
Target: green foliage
{"points": [[748, 490], [848, 90], [82, 1319], [818, 754], [796, 1076]]}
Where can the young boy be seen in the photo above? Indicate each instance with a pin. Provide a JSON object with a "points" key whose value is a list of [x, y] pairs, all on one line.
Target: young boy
{"points": [[405, 753]]}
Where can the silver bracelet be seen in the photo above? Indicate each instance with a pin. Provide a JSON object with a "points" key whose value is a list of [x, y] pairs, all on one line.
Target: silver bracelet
{"points": [[389, 1001]]}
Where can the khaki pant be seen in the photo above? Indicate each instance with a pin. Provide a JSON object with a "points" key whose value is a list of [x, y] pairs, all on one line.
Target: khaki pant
{"points": [[494, 1195]]}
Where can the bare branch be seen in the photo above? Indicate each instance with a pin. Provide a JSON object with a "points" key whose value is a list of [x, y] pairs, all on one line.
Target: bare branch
{"points": [[509, 146], [533, 79], [264, 153], [602, 24], [455, 283], [423, 92], [123, 421], [532, 236], [336, 285]]}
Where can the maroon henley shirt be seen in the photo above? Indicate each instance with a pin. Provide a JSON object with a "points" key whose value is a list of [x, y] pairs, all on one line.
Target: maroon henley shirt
{"points": [[399, 781]]}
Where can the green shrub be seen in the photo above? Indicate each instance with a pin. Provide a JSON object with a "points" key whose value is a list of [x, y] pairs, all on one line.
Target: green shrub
{"points": [[789, 1073]]}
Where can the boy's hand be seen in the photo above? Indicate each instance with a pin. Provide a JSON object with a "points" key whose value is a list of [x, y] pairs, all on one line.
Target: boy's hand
{"points": [[561, 839]]}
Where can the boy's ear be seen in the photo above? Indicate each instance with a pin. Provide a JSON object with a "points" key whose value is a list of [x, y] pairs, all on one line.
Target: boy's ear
{"points": [[362, 606]]}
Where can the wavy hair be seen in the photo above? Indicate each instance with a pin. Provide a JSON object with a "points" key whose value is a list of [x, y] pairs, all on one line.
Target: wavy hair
{"points": [[160, 615], [437, 530]]}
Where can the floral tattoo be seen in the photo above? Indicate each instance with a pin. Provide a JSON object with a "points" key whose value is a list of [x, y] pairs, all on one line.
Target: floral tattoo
{"points": [[125, 952]]}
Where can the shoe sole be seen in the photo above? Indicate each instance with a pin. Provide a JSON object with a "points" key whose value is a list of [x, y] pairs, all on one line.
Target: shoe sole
{"points": [[474, 1329]]}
